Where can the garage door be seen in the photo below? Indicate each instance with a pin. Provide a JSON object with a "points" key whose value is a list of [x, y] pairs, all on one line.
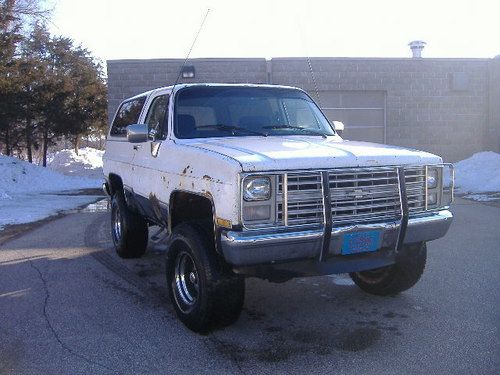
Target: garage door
{"points": [[362, 112]]}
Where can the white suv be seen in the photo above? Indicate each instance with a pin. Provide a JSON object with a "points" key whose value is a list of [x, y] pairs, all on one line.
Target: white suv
{"points": [[253, 180]]}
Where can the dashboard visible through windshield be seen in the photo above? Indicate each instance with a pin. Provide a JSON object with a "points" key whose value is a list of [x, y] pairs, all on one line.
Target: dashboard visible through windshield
{"points": [[227, 111]]}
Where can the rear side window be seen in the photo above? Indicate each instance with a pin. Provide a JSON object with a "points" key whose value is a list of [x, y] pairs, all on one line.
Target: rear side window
{"points": [[128, 114]]}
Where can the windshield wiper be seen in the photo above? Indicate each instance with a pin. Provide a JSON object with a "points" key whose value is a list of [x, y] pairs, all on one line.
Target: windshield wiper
{"points": [[310, 131], [232, 129]]}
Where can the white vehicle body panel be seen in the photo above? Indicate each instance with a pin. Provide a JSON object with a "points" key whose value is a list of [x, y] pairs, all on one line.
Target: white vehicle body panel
{"points": [[309, 152]]}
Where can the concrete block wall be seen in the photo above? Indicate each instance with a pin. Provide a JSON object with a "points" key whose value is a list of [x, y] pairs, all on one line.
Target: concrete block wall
{"points": [[445, 106], [492, 135], [424, 108]]}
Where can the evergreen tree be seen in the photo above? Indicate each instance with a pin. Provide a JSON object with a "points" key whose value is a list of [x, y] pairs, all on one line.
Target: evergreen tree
{"points": [[49, 88]]}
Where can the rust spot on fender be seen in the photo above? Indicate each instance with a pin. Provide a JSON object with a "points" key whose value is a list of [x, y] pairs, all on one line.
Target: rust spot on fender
{"points": [[207, 177], [186, 169]]}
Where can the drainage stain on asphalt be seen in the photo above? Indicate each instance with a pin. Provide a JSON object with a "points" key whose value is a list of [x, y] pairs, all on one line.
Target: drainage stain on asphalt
{"points": [[357, 339], [391, 315], [149, 272], [255, 314], [281, 345], [273, 329]]}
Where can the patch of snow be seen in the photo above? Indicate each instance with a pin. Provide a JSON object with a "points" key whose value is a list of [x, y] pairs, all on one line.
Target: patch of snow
{"points": [[29, 192], [26, 208], [4, 195], [343, 280], [483, 197], [478, 174], [87, 163], [20, 177]]}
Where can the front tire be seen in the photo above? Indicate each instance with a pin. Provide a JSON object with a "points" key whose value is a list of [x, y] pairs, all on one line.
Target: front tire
{"points": [[204, 292], [129, 230], [396, 278]]}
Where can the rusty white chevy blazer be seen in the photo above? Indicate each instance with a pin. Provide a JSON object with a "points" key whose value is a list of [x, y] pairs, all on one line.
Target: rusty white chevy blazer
{"points": [[253, 180]]}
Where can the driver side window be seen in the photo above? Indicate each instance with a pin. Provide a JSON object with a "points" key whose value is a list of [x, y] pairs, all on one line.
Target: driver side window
{"points": [[156, 119]]}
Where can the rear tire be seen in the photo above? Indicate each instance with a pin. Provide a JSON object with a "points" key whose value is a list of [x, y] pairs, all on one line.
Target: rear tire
{"points": [[396, 278], [205, 293], [129, 230]]}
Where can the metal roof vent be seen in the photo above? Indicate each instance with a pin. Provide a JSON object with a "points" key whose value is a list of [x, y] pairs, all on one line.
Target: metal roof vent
{"points": [[416, 48]]}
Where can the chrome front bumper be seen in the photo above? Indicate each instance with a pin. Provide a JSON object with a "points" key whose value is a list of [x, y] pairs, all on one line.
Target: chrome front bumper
{"points": [[250, 248]]}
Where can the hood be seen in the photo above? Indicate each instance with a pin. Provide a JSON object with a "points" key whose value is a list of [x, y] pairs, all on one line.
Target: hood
{"points": [[309, 152]]}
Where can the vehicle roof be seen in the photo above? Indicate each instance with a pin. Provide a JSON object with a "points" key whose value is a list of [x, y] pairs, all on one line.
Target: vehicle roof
{"points": [[184, 85]]}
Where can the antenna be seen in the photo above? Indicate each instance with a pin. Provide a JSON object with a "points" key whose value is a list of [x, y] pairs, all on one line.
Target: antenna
{"points": [[316, 91], [314, 80], [190, 49]]}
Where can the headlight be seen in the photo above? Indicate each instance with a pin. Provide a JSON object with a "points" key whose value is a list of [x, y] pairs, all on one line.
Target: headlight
{"points": [[434, 184], [432, 178], [256, 188]]}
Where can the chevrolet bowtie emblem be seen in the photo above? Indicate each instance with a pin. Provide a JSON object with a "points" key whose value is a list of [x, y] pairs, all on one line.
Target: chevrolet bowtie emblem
{"points": [[356, 193]]}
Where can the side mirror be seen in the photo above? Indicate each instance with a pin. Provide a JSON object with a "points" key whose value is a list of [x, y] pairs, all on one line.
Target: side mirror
{"points": [[338, 126], [137, 133]]}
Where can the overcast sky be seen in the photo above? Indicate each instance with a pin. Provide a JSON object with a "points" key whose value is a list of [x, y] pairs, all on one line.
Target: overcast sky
{"points": [[122, 29]]}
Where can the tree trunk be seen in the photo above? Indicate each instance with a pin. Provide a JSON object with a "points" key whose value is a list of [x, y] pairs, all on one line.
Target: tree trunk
{"points": [[29, 140], [45, 146], [7, 142], [77, 144]]}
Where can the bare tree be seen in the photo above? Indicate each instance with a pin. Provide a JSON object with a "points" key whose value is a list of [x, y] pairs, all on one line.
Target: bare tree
{"points": [[24, 11]]}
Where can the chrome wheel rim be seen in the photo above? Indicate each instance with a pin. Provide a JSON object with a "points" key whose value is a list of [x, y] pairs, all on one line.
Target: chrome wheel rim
{"points": [[117, 225], [186, 281]]}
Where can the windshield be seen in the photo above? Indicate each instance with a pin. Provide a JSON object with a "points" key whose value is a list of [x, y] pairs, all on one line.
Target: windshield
{"points": [[225, 111]]}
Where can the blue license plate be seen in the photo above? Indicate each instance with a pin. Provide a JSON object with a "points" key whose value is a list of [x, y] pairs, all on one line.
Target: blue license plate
{"points": [[361, 242]]}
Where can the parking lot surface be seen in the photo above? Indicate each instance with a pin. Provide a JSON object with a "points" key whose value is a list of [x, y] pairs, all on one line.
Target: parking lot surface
{"points": [[69, 305]]}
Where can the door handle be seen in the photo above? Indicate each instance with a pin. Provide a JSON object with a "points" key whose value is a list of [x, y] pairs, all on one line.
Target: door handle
{"points": [[136, 147]]}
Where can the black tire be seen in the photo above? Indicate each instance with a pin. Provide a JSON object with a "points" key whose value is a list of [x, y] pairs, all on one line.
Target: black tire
{"points": [[129, 230], [205, 293], [402, 275]]}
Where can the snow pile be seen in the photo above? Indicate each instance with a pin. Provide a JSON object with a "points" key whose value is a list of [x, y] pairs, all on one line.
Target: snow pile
{"points": [[478, 174], [19, 177], [87, 163], [29, 192]]}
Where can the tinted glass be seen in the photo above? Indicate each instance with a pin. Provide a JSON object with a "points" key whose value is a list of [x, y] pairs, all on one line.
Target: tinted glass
{"points": [[202, 112], [156, 117], [128, 114]]}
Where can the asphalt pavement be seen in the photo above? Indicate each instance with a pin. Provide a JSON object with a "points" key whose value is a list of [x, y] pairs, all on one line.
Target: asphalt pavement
{"points": [[69, 305]]}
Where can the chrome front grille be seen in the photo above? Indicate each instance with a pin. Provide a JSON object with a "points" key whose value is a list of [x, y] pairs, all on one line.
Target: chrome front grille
{"points": [[415, 188], [364, 195], [358, 195], [304, 195]]}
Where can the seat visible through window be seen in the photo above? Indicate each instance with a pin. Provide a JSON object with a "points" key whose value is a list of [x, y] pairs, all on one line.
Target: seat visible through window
{"points": [[186, 125]]}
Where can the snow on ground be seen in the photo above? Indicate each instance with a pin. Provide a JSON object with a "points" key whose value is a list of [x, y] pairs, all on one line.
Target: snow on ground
{"points": [[87, 163], [29, 192], [479, 176]]}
